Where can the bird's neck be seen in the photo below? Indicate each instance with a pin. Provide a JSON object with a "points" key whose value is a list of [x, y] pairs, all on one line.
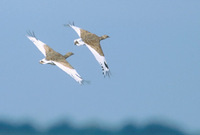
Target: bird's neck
{"points": [[102, 38]]}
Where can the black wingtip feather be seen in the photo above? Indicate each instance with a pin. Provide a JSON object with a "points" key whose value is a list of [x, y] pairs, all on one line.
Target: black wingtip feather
{"points": [[32, 34], [69, 24]]}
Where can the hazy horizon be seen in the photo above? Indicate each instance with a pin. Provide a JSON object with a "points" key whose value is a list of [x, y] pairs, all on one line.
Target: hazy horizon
{"points": [[152, 52]]}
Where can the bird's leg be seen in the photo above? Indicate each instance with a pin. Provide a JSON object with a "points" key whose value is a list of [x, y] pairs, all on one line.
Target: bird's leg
{"points": [[44, 61], [78, 42]]}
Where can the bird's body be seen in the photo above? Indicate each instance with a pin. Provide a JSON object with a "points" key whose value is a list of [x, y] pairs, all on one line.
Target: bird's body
{"points": [[92, 41], [52, 55], [54, 58]]}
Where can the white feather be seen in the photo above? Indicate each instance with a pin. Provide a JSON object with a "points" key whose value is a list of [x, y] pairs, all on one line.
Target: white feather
{"points": [[77, 29], [100, 59], [39, 44], [71, 72]]}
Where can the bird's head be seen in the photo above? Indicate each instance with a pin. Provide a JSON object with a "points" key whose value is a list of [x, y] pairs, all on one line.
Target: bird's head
{"points": [[104, 37]]}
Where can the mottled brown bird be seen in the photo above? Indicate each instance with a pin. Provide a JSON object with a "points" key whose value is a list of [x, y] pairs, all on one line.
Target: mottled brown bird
{"points": [[54, 58], [92, 41]]}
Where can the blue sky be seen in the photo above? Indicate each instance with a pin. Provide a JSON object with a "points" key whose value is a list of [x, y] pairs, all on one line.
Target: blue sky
{"points": [[153, 54]]}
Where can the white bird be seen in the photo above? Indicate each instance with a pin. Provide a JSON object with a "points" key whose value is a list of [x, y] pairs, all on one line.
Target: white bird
{"points": [[92, 41], [54, 58]]}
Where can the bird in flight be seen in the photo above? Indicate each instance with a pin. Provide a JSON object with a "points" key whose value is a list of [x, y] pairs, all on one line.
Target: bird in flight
{"points": [[54, 58], [92, 41]]}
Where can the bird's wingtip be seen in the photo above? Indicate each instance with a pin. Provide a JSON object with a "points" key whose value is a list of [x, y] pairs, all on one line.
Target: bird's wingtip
{"points": [[107, 73], [83, 82], [30, 34], [69, 24]]}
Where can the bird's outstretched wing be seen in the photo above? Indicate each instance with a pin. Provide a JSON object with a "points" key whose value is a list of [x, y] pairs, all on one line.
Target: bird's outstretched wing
{"points": [[39, 44], [101, 59], [77, 29], [66, 67]]}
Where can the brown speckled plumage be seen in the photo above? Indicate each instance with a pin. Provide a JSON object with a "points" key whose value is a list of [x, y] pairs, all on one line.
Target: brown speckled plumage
{"points": [[92, 40], [55, 56]]}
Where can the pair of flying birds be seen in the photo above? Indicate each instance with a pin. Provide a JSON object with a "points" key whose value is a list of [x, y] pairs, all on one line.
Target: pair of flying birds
{"points": [[52, 57]]}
